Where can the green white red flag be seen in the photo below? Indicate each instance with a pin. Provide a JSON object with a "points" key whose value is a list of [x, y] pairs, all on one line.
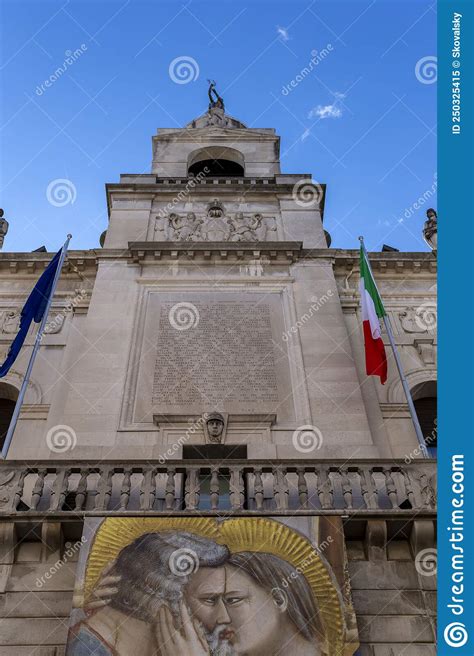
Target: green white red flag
{"points": [[372, 311]]}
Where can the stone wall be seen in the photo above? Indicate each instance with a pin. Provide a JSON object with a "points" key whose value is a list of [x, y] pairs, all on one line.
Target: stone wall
{"points": [[36, 589], [395, 604]]}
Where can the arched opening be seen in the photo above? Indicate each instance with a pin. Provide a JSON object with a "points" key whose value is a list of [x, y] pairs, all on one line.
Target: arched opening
{"points": [[425, 401], [8, 397], [215, 161]]}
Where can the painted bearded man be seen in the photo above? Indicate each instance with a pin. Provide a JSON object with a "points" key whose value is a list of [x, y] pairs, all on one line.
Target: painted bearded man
{"points": [[176, 593]]}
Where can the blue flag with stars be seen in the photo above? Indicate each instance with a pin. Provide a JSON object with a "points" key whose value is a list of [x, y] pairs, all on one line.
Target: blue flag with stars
{"points": [[33, 310]]}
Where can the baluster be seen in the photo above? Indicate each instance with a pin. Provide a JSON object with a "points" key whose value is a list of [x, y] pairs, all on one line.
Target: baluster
{"points": [[126, 489], [104, 489], [236, 488], [18, 493], [170, 489], [148, 490], [59, 491], [409, 489], [38, 489], [280, 488], [191, 495], [258, 488], [81, 492], [346, 487], [427, 495], [214, 489], [368, 489], [302, 488], [325, 492], [391, 488]]}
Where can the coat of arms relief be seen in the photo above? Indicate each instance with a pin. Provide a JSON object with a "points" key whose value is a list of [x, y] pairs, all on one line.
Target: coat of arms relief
{"points": [[215, 225]]}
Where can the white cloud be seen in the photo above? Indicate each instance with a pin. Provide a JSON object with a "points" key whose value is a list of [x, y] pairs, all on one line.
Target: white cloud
{"points": [[325, 111], [328, 111], [283, 33]]}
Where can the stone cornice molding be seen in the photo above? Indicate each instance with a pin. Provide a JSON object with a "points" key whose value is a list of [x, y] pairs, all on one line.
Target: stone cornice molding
{"points": [[390, 264], [288, 251], [36, 263]]}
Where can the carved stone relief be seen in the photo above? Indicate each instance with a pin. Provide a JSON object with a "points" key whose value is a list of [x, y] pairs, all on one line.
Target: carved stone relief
{"points": [[215, 225], [10, 322], [420, 320], [215, 427], [6, 486]]}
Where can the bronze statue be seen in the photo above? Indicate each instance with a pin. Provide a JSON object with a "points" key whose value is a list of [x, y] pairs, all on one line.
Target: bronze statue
{"points": [[215, 100]]}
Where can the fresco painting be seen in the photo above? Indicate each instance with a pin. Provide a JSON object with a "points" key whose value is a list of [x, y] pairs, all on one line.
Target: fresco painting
{"points": [[205, 587]]}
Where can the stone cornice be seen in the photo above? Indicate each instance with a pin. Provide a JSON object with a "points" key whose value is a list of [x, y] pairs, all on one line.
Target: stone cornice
{"points": [[288, 251], [343, 260], [211, 134], [346, 260], [35, 263], [147, 186]]}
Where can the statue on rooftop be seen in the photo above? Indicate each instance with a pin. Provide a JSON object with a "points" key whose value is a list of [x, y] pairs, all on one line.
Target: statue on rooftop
{"points": [[215, 100]]}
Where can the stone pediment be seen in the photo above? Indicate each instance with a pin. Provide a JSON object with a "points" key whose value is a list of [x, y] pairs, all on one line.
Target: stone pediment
{"points": [[216, 117]]}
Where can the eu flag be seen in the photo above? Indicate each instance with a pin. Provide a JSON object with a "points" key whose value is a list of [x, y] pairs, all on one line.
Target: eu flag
{"points": [[33, 310]]}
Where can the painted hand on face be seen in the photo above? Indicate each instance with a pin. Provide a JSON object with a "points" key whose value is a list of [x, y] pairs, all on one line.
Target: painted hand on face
{"points": [[190, 640], [105, 589]]}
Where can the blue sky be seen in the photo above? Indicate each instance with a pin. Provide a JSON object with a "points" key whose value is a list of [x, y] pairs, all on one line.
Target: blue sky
{"points": [[363, 121]]}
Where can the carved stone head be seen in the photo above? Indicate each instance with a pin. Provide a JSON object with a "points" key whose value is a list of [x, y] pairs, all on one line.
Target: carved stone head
{"points": [[215, 427]]}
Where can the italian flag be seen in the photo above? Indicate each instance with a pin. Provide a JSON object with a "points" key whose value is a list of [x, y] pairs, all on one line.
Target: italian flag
{"points": [[372, 311]]}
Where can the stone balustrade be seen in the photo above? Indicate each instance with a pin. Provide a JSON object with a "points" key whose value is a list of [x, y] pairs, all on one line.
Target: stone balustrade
{"points": [[247, 487]]}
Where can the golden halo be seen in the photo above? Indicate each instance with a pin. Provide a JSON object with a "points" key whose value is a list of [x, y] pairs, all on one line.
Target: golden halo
{"points": [[240, 534]]}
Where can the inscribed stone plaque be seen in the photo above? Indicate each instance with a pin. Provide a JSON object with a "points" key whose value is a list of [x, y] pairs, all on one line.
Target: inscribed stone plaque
{"points": [[227, 356], [217, 351]]}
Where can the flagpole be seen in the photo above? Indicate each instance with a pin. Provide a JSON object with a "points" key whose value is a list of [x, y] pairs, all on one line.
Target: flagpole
{"points": [[39, 337], [406, 388]]}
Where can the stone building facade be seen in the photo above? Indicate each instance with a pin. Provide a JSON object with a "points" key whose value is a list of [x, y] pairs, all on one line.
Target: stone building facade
{"points": [[207, 362]]}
